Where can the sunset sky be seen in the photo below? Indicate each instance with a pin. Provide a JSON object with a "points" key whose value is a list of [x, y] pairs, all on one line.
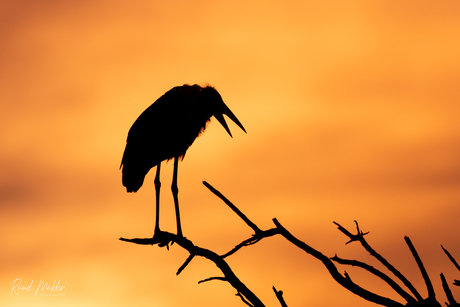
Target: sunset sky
{"points": [[351, 110]]}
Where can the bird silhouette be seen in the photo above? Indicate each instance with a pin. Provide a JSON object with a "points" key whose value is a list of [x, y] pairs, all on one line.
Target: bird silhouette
{"points": [[164, 131]]}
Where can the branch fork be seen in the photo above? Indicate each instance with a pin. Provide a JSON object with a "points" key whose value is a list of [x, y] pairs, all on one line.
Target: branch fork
{"points": [[412, 297]]}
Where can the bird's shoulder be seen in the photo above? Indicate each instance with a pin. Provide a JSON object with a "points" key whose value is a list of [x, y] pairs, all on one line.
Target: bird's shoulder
{"points": [[168, 113]]}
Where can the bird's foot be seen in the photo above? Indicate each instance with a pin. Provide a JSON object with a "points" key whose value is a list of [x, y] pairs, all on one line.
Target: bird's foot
{"points": [[163, 238]]}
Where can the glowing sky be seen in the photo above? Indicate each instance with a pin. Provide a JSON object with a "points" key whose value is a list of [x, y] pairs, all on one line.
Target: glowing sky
{"points": [[351, 109]]}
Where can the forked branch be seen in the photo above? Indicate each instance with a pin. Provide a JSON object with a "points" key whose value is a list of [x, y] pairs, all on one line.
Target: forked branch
{"points": [[229, 276], [163, 239], [360, 238]]}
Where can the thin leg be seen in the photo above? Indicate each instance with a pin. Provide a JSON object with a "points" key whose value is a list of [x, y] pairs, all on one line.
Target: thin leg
{"points": [[157, 191], [175, 192]]}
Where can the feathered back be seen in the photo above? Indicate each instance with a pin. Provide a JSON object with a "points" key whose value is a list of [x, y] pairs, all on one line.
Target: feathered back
{"points": [[165, 130], [168, 127]]}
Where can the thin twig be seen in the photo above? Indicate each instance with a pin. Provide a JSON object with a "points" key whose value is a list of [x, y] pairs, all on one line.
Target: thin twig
{"points": [[244, 300], [344, 281], [428, 283], [451, 258], [279, 296], [212, 278], [186, 244], [187, 261], [357, 237], [360, 237], [450, 297], [252, 240], [379, 274], [233, 207]]}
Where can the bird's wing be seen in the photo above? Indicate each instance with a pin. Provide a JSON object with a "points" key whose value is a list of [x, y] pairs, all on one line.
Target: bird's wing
{"points": [[158, 133]]}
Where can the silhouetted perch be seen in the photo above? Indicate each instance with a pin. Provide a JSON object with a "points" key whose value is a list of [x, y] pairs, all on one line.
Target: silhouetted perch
{"points": [[279, 296], [194, 250], [250, 299]]}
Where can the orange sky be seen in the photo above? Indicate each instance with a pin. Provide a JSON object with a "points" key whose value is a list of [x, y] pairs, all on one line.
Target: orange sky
{"points": [[351, 110]]}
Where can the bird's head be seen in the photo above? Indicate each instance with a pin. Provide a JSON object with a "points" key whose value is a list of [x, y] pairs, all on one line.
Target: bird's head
{"points": [[214, 103]]}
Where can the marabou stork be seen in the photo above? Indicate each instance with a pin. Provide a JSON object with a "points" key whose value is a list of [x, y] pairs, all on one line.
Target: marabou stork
{"points": [[164, 131]]}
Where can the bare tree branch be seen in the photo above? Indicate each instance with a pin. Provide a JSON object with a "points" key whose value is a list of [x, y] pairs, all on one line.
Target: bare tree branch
{"points": [[379, 274], [450, 297], [212, 278], [253, 240], [357, 237], [183, 242], [163, 239], [344, 281], [360, 237], [428, 283], [233, 207], [456, 282], [279, 296], [451, 258], [187, 261], [244, 300]]}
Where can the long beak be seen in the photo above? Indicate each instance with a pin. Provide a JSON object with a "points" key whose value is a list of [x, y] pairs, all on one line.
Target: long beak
{"points": [[220, 118]]}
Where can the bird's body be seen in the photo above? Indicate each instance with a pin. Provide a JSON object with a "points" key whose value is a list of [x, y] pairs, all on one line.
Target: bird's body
{"points": [[167, 128]]}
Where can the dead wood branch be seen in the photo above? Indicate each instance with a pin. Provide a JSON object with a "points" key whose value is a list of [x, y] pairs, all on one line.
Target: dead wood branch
{"points": [[429, 285], [360, 237], [194, 250], [343, 280], [163, 239], [381, 275], [452, 259], [279, 296], [450, 297], [233, 207]]}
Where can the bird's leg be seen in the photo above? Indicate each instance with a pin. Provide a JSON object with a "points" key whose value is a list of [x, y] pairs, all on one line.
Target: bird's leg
{"points": [[157, 191], [175, 192]]}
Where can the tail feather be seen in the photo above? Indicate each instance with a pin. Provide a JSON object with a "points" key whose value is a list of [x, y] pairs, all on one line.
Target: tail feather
{"points": [[133, 168], [133, 179]]}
